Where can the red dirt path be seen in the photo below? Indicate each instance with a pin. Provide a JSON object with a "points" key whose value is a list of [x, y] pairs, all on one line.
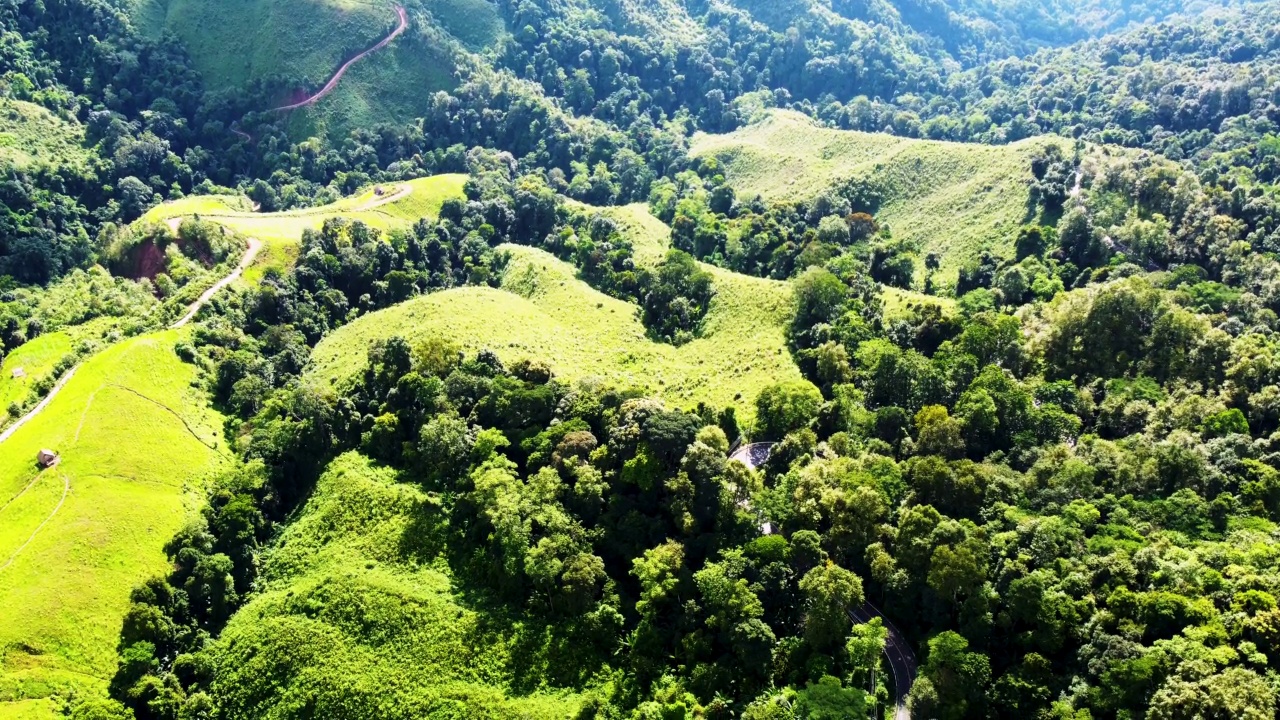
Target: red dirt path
{"points": [[402, 25]]}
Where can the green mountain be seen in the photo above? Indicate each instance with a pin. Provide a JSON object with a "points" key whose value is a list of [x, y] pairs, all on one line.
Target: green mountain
{"points": [[637, 359]]}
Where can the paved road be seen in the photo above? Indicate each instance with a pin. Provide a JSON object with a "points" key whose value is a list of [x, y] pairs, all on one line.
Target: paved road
{"points": [[401, 26], [899, 655], [255, 245], [753, 455], [897, 651]]}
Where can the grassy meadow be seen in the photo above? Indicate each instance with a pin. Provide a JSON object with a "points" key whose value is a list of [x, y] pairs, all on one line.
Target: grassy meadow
{"points": [[951, 198], [281, 231], [232, 43], [30, 134], [543, 311], [136, 443], [37, 359], [392, 85], [367, 548]]}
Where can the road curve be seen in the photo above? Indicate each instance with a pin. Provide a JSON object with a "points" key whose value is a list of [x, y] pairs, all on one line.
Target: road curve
{"points": [[897, 651], [255, 245], [402, 24], [899, 655]]}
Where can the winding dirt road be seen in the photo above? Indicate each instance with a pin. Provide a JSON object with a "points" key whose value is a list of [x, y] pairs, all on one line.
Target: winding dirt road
{"points": [[401, 25], [255, 246]]}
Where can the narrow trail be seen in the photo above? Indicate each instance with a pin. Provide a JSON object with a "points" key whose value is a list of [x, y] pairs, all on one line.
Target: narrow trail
{"points": [[246, 260], [401, 25], [171, 411], [53, 392], [66, 490], [255, 246]]}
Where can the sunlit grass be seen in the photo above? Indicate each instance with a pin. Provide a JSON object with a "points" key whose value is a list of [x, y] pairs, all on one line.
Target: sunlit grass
{"points": [[543, 311], [951, 198], [136, 442]]}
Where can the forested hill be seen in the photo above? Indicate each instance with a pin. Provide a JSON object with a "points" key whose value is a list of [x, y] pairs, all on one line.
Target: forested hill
{"points": [[394, 357], [167, 106]]}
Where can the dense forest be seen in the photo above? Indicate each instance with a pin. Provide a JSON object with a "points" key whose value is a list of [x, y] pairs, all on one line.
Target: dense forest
{"points": [[1055, 470]]}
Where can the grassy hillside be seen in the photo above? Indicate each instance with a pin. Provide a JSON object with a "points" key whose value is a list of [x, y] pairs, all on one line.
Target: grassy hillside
{"points": [[543, 311], [392, 85], [302, 42], [365, 547], [475, 23], [31, 134], [135, 443], [281, 231], [235, 41], [952, 198], [34, 359]]}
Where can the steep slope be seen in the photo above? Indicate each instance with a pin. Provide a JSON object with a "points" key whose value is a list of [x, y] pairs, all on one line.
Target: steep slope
{"points": [[295, 48], [75, 538], [363, 547], [30, 134], [951, 198], [543, 311], [235, 43]]}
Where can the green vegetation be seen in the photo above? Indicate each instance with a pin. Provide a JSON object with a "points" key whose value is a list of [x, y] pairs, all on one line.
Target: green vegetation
{"points": [[136, 442], [998, 278], [476, 23], [31, 134], [543, 312], [301, 41], [366, 546], [33, 361], [981, 190], [384, 207]]}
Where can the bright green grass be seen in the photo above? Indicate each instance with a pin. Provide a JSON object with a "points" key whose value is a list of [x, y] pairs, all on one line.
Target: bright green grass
{"points": [[133, 468], [232, 42], [281, 232], [543, 311], [30, 134], [951, 198], [37, 359], [359, 617]]}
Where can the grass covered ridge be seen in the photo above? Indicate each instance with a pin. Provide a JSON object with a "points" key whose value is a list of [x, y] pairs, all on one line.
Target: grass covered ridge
{"points": [[359, 617], [136, 443], [543, 311], [952, 198], [281, 231]]}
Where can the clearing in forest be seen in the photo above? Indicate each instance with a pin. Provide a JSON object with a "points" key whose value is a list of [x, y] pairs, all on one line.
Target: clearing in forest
{"points": [[136, 444], [951, 198], [31, 135], [400, 204], [543, 311]]}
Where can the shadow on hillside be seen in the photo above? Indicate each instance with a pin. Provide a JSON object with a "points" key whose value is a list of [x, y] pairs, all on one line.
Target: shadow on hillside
{"points": [[546, 651]]}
